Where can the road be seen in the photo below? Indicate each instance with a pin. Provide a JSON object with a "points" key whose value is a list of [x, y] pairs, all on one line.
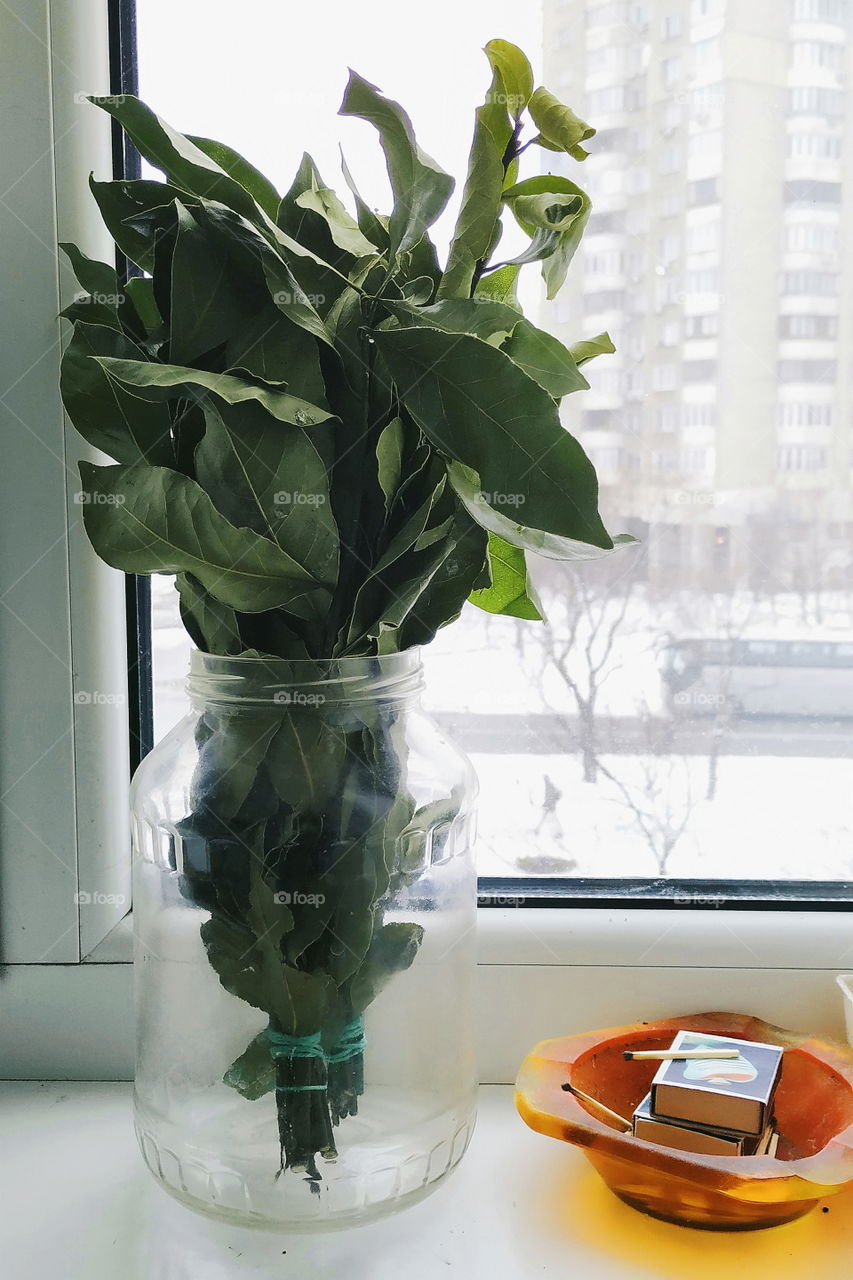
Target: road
{"points": [[750, 736]]}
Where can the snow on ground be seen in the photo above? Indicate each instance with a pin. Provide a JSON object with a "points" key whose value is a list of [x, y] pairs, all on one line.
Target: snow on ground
{"points": [[771, 817]]}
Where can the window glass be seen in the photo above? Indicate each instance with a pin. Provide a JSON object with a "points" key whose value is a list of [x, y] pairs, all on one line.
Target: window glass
{"points": [[665, 721]]}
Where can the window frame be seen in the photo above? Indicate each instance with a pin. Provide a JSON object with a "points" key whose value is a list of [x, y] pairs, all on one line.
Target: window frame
{"points": [[553, 953]]}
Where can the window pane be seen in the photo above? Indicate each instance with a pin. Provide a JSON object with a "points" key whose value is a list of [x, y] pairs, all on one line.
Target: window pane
{"points": [[686, 710]]}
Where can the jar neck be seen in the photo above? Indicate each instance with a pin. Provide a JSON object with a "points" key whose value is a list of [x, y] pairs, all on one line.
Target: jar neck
{"points": [[245, 681]]}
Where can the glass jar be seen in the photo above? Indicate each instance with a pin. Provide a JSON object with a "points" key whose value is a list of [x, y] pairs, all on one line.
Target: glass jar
{"points": [[304, 912]]}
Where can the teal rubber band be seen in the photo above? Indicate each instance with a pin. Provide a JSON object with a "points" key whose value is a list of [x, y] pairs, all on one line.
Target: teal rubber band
{"points": [[298, 1088], [350, 1044], [285, 1046]]}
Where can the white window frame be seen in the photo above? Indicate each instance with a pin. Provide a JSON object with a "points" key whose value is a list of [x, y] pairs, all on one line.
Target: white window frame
{"points": [[65, 988], [63, 758]]}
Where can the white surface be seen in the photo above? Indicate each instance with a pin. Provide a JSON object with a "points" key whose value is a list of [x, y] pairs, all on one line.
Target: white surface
{"points": [[77, 1204]]}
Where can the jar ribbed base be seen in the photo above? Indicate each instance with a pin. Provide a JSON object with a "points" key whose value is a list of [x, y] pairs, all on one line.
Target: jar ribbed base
{"points": [[364, 1184]]}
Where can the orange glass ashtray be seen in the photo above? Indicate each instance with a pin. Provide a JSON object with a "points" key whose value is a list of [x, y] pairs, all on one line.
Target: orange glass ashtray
{"points": [[813, 1109]]}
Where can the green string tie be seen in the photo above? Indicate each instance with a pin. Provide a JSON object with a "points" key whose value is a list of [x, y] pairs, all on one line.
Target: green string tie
{"points": [[350, 1042], [291, 1047]]}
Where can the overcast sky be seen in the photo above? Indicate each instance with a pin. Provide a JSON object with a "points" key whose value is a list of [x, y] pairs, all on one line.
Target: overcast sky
{"points": [[267, 76]]}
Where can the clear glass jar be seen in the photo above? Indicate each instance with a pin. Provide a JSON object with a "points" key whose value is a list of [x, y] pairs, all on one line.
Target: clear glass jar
{"points": [[304, 910]]}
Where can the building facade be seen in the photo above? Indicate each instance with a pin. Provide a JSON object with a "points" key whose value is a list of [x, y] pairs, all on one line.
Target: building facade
{"points": [[722, 183]]}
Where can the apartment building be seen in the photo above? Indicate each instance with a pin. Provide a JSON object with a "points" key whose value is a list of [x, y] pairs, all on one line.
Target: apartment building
{"points": [[722, 184]]}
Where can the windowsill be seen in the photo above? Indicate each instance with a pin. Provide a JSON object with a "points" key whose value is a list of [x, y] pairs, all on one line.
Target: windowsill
{"points": [[518, 1206]]}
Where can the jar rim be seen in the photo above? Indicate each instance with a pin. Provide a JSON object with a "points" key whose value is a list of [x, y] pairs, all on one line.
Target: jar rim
{"points": [[255, 679]]}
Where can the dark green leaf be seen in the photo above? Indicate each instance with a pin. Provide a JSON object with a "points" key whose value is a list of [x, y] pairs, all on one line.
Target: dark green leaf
{"points": [[212, 626], [170, 382], [421, 189], [271, 479], [481, 409], [145, 519], [251, 179], [392, 950], [105, 414]]}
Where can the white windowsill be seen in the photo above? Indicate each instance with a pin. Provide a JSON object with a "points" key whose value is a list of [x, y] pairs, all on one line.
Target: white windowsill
{"points": [[79, 1204]]}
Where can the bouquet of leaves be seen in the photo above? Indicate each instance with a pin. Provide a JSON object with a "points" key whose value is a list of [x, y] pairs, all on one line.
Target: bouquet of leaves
{"points": [[333, 442]]}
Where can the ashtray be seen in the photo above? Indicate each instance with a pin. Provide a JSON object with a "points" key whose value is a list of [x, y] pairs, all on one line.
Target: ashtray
{"points": [[813, 1108]]}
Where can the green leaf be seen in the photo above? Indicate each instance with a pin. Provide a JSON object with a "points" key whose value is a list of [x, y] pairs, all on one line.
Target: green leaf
{"points": [[95, 277], [140, 290], [153, 520], [478, 316], [470, 491], [478, 222], [127, 207], [557, 211], [559, 128], [236, 166], [392, 950], [185, 165], [515, 72], [591, 347], [205, 307], [171, 382], [443, 597], [105, 414], [373, 225], [421, 189], [544, 358], [270, 479], [499, 285], [275, 349], [390, 451], [479, 408], [253, 1073], [212, 626], [512, 591], [541, 356], [343, 228]]}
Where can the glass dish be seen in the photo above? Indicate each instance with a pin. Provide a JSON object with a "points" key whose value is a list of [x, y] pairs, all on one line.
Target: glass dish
{"points": [[813, 1108]]}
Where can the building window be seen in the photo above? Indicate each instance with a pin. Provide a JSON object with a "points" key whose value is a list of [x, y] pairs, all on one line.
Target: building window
{"points": [[703, 237], [810, 100], [811, 237], [814, 146], [808, 370], [821, 11], [705, 326], [814, 284], [702, 192], [808, 326], [818, 53], [673, 26], [803, 457], [800, 414], [808, 194], [700, 371], [707, 281], [673, 71]]}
